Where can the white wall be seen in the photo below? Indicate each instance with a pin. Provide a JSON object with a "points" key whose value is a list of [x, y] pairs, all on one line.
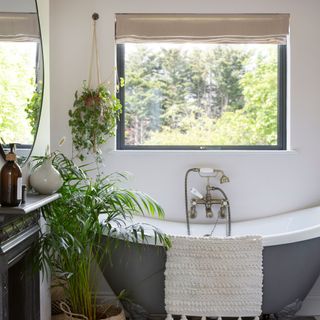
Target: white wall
{"points": [[262, 182]]}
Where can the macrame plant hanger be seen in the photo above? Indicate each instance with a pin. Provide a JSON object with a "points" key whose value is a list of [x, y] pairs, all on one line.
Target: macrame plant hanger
{"points": [[94, 61], [94, 64]]}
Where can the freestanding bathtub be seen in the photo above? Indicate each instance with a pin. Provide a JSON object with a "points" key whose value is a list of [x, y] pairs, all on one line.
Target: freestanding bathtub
{"points": [[291, 259]]}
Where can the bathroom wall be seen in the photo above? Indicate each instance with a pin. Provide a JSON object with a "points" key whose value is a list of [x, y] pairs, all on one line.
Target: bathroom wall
{"points": [[262, 182]]}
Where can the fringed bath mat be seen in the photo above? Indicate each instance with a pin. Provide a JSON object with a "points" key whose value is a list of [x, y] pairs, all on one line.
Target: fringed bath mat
{"points": [[214, 277]]}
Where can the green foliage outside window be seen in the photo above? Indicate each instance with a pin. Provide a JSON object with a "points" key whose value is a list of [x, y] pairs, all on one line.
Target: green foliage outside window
{"points": [[224, 96], [33, 109], [17, 84]]}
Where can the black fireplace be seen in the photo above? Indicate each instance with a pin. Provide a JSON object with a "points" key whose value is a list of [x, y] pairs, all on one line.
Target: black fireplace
{"points": [[19, 282]]}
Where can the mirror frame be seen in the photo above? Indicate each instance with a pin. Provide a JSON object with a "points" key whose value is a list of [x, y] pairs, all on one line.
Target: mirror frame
{"points": [[2, 153]]}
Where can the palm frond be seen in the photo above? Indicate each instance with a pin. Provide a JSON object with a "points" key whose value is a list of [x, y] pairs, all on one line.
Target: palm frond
{"points": [[74, 240]]}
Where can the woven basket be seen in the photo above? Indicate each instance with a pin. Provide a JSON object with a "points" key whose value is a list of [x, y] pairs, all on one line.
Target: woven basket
{"points": [[73, 316], [57, 296]]}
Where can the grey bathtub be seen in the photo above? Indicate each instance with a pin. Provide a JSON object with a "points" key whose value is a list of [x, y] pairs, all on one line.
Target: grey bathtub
{"points": [[291, 260]]}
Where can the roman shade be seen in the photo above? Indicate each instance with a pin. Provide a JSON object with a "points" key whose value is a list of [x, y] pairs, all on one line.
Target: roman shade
{"points": [[210, 28], [19, 27]]}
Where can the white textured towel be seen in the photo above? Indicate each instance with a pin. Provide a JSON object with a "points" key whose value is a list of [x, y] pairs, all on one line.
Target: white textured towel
{"points": [[214, 277]]}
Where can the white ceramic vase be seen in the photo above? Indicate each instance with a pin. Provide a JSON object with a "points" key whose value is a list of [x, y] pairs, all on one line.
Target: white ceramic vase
{"points": [[46, 179]]}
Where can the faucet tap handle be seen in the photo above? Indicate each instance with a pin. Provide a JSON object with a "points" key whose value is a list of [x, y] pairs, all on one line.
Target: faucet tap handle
{"points": [[209, 212], [196, 193], [193, 210], [222, 211]]}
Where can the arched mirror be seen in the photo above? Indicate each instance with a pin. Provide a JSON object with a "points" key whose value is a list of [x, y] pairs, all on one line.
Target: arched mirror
{"points": [[21, 76]]}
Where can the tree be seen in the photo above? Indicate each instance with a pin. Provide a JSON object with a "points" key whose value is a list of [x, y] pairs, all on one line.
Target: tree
{"points": [[227, 68], [174, 85], [216, 75], [216, 95], [17, 83], [142, 95], [253, 124]]}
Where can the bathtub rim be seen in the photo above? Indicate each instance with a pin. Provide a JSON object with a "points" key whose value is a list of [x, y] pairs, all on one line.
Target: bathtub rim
{"points": [[282, 238]]}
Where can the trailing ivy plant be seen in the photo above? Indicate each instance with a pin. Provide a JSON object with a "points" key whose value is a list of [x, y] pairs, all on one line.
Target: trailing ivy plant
{"points": [[93, 119]]}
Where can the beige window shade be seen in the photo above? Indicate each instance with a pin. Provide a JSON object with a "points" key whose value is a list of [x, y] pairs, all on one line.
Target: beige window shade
{"points": [[211, 28], [19, 27]]}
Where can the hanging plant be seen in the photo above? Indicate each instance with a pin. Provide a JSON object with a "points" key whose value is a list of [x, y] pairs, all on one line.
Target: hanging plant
{"points": [[93, 119], [95, 110]]}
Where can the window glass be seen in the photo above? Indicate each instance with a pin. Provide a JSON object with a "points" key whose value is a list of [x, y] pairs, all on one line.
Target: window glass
{"points": [[197, 95]]}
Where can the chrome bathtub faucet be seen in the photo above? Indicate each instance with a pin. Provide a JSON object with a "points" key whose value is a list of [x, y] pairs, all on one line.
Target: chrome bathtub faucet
{"points": [[209, 199]]}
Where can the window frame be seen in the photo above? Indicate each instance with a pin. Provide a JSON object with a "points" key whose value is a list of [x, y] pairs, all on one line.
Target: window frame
{"points": [[282, 113]]}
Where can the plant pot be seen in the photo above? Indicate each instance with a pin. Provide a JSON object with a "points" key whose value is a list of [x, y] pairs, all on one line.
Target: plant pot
{"points": [[116, 313]]}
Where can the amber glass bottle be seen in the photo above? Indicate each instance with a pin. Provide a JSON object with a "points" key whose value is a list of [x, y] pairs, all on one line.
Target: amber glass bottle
{"points": [[11, 181]]}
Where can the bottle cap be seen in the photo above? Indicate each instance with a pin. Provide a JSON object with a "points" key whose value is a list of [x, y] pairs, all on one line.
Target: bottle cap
{"points": [[11, 156]]}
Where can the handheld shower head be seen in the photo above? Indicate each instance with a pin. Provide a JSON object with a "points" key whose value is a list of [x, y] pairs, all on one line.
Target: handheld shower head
{"points": [[224, 179]]}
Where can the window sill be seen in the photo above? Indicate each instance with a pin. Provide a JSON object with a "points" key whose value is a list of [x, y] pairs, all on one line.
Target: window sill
{"points": [[207, 152]]}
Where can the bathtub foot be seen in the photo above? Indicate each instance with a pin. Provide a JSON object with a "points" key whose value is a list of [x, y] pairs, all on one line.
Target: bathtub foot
{"points": [[135, 311], [289, 311]]}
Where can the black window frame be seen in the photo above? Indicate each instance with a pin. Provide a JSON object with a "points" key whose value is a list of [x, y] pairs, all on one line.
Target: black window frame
{"points": [[282, 113]]}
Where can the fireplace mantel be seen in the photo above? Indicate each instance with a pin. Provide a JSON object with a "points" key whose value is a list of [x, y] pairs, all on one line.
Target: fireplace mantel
{"points": [[33, 202]]}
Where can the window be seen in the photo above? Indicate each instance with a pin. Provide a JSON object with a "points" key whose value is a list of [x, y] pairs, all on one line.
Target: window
{"points": [[202, 81]]}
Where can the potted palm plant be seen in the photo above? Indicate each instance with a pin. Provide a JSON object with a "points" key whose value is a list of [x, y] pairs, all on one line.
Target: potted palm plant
{"points": [[73, 243]]}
